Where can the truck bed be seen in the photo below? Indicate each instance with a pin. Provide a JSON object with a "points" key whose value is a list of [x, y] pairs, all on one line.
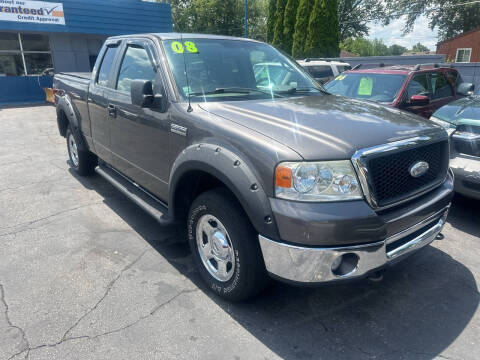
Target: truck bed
{"points": [[79, 75], [75, 86]]}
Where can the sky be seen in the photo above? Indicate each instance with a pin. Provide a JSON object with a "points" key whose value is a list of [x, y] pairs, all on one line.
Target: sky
{"points": [[392, 34]]}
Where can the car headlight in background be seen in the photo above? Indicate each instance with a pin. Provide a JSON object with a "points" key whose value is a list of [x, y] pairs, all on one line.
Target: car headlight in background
{"points": [[449, 128], [317, 181]]}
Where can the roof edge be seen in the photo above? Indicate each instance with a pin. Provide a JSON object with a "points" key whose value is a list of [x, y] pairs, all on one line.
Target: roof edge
{"points": [[459, 35]]}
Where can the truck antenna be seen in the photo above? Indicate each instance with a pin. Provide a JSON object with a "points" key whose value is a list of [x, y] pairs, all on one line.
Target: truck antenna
{"points": [[189, 109]]}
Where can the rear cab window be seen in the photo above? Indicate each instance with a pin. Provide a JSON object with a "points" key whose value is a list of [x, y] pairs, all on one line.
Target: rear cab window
{"points": [[103, 75]]}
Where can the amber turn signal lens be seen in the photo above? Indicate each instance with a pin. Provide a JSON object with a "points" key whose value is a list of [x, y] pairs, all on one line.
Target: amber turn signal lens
{"points": [[283, 177]]}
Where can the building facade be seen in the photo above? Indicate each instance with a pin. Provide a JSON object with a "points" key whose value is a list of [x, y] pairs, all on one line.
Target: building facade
{"points": [[463, 48], [38, 38]]}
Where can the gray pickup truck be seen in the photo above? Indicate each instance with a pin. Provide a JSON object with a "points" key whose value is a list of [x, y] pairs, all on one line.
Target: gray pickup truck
{"points": [[269, 174]]}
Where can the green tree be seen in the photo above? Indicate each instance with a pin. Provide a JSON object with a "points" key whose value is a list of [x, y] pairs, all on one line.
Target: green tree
{"points": [[272, 8], [301, 28], [278, 35], [353, 16], [358, 46], [224, 17], [323, 37], [396, 49], [365, 47], [181, 14], [379, 48], [289, 19], [451, 17], [419, 48]]}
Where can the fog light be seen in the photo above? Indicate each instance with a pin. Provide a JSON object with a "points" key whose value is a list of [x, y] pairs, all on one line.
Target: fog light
{"points": [[345, 264]]}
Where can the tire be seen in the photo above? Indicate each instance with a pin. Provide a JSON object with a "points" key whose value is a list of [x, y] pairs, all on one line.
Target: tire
{"points": [[218, 211], [83, 162]]}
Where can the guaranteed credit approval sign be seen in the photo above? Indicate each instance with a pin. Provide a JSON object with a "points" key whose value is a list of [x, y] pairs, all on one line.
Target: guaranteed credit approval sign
{"points": [[32, 11]]}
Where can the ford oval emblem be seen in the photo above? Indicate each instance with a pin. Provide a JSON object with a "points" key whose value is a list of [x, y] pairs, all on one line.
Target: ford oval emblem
{"points": [[418, 169]]}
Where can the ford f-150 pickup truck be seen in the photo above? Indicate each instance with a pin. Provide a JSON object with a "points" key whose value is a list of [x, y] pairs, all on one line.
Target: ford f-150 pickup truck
{"points": [[269, 174]]}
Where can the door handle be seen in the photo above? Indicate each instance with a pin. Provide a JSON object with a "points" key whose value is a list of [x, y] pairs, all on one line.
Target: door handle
{"points": [[112, 110]]}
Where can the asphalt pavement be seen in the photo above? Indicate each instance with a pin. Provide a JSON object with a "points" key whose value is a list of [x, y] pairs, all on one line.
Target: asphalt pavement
{"points": [[86, 274]]}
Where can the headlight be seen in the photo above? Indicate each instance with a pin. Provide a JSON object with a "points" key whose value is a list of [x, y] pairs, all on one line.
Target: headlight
{"points": [[317, 181], [449, 128]]}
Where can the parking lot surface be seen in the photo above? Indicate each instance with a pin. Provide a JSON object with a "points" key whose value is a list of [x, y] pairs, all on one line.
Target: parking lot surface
{"points": [[86, 274]]}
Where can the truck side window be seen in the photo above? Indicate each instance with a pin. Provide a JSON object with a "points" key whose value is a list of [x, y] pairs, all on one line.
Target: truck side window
{"points": [[418, 86], [440, 86], [107, 61], [136, 65]]}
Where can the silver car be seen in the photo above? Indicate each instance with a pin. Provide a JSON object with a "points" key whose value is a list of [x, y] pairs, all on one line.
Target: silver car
{"points": [[461, 119]]}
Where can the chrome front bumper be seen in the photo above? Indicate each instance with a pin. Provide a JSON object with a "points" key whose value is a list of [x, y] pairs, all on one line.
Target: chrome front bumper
{"points": [[318, 265]]}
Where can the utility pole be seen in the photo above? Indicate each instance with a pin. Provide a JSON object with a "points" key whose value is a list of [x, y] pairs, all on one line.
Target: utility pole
{"points": [[246, 17]]}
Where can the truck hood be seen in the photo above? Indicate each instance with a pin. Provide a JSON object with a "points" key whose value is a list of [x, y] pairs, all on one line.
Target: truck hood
{"points": [[323, 127]]}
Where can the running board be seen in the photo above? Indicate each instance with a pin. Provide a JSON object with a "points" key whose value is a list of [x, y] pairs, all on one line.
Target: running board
{"points": [[152, 206]]}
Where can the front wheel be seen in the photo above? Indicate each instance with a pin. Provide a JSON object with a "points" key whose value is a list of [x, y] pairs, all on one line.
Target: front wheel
{"points": [[83, 162], [225, 247]]}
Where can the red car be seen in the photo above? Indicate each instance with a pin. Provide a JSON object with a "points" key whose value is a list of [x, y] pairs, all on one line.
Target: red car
{"points": [[420, 89]]}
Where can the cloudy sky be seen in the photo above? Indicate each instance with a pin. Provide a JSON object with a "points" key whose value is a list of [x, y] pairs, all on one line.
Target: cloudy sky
{"points": [[392, 34]]}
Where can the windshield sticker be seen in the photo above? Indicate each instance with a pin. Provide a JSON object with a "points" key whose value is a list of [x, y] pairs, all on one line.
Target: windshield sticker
{"points": [[341, 77], [179, 48], [191, 47], [365, 87]]}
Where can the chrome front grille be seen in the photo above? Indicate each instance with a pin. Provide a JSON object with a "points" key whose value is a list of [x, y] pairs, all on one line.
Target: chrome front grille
{"points": [[384, 170]]}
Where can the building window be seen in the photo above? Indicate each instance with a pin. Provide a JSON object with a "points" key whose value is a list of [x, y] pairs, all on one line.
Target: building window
{"points": [[24, 54], [463, 55]]}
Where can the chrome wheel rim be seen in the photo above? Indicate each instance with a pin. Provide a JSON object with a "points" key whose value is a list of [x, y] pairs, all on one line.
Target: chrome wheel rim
{"points": [[73, 150], [215, 248]]}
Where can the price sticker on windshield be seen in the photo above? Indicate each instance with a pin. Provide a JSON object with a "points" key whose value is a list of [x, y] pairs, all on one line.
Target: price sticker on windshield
{"points": [[179, 48], [366, 86]]}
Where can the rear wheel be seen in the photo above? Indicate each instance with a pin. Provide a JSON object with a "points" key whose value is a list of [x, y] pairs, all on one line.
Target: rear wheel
{"points": [[83, 162], [225, 246]]}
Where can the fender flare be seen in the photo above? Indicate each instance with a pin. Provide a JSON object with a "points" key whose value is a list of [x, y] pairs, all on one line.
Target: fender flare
{"points": [[65, 104], [237, 176]]}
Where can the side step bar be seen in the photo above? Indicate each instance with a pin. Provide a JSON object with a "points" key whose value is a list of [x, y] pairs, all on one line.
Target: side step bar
{"points": [[148, 203]]}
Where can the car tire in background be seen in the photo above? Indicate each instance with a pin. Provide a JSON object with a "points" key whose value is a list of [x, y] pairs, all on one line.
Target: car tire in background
{"points": [[225, 247], [83, 162]]}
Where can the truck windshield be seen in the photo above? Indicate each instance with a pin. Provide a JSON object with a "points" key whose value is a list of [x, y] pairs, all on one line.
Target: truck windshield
{"points": [[375, 87], [225, 70]]}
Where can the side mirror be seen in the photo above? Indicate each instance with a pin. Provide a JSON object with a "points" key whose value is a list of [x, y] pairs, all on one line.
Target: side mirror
{"points": [[465, 89], [419, 100], [141, 92]]}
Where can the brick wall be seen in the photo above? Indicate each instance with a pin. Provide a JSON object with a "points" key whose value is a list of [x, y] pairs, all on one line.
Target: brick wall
{"points": [[468, 40]]}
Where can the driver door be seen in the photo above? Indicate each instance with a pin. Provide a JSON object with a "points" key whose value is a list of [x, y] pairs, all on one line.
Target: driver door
{"points": [[139, 136]]}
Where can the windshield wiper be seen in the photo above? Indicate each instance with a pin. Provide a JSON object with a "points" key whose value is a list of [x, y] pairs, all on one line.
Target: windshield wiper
{"points": [[232, 90], [294, 90]]}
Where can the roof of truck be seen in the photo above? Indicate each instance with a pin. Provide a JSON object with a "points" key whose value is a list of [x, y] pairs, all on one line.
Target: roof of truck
{"points": [[307, 62], [399, 69], [175, 35]]}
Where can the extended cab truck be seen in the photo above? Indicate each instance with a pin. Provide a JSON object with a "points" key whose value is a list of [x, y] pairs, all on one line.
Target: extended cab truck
{"points": [[269, 176]]}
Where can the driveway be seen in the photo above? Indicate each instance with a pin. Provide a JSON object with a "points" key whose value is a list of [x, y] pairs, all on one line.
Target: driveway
{"points": [[86, 274]]}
